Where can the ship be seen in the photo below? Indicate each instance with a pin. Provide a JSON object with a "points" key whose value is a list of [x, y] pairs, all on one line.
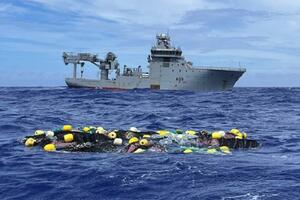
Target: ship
{"points": [[168, 70]]}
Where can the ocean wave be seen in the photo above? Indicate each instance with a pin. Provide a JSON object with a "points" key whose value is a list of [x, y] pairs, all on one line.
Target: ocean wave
{"points": [[270, 115]]}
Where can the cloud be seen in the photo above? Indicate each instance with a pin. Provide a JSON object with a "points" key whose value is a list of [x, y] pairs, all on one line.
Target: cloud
{"points": [[281, 6], [263, 35], [8, 8], [131, 11], [223, 19]]}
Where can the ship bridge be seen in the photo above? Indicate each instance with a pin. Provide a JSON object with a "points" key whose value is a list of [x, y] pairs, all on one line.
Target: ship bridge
{"points": [[163, 51]]}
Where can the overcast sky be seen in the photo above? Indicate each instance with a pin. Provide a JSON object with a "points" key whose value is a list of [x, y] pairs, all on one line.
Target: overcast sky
{"points": [[262, 35]]}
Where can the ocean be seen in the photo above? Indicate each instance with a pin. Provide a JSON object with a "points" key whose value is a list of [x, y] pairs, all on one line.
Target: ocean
{"points": [[269, 115]]}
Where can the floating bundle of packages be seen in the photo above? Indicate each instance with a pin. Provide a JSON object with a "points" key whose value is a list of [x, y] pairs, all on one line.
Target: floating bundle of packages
{"points": [[97, 139]]}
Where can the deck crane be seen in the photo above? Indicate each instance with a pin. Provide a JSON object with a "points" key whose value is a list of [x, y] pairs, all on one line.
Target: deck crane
{"points": [[109, 63]]}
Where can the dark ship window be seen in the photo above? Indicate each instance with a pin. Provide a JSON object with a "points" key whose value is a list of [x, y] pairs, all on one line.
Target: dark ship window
{"points": [[166, 59], [155, 87], [165, 64]]}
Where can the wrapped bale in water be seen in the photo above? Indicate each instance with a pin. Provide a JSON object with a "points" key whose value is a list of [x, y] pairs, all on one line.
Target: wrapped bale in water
{"points": [[97, 139]]}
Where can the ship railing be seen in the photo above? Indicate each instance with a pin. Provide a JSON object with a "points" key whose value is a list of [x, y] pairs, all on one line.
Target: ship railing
{"points": [[222, 68]]}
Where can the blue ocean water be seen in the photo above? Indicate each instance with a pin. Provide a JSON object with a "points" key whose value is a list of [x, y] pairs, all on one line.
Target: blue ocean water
{"points": [[270, 115]]}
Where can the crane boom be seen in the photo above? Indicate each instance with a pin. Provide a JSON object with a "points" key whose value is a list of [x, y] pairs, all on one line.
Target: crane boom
{"points": [[109, 63]]}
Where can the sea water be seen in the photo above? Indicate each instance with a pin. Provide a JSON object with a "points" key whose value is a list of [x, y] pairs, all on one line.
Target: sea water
{"points": [[270, 115]]}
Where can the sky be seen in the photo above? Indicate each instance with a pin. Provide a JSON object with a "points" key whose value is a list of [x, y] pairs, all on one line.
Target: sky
{"points": [[261, 35]]}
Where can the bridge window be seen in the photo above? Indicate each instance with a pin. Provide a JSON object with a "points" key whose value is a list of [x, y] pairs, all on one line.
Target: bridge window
{"points": [[166, 59], [166, 64]]}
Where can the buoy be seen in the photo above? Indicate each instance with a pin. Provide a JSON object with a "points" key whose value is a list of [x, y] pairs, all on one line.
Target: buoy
{"points": [[68, 137], [118, 141], [235, 131], [211, 151], [30, 142], [49, 134], [112, 135], [39, 132], [134, 129], [216, 135], [186, 151], [86, 129], [190, 132], [163, 132], [139, 150], [225, 149], [100, 130], [133, 140], [239, 136], [144, 142], [67, 128], [50, 147]]}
